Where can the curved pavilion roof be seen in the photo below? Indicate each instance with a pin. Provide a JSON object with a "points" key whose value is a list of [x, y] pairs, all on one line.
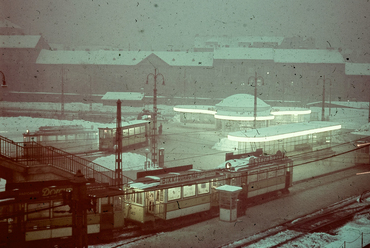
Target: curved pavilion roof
{"points": [[241, 103]]}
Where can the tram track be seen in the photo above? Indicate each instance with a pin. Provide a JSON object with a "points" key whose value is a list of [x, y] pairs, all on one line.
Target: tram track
{"points": [[321, 220]]}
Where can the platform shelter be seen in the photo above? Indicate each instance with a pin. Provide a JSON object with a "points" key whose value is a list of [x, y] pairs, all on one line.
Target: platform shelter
{"points": [[286, 138]]}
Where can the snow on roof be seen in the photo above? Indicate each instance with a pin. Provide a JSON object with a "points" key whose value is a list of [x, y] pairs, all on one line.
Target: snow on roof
{"points": [[242, 101], [201, 109], [19, 41], [290, 111], [229, 188], [245, 53], [236, 162], [283, 131], [357, 69], [143, 185], [309, 56], [125, 96], [154, 178], [104, 57], [244, 116]]}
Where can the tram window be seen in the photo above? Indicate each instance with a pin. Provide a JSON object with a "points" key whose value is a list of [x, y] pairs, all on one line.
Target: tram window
{"points": [[262, 175], [139, 198], [125, 132], [174, 193], [203, 188], [104, 200], [280, 171], [272, 172], [188, 190], [252, 177], [117, 203], [31, 208], [160, 195], [131, 131], [137, 130], [60, 211]]}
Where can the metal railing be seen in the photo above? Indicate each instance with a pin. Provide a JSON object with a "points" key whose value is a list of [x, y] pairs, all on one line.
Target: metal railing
{"points": [[32, 153]]}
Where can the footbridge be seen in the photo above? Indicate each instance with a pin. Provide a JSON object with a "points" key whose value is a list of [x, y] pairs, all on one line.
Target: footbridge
{"points": [[30, 162]]}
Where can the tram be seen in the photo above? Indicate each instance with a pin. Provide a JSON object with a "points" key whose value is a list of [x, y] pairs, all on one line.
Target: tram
{"points": [[134, 134], [70, 138], [78, 139], [362, 153], [35, 213]]}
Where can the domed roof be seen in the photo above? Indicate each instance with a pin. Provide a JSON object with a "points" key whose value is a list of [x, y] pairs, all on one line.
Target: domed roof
{"points": [[241, 103]]}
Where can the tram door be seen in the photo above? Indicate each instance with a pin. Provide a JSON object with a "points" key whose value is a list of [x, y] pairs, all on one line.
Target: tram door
{"points": [[150, 201]]}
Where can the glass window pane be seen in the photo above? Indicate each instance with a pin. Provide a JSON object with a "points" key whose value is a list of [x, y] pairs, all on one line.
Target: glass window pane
{"points": [[32, 208], [189, 190], [174, 193], [203, 188]]}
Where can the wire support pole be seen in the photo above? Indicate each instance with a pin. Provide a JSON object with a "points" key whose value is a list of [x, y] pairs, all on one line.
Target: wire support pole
{"points": [[118, 151], [256, 79], [153, 133], [323, 96]]}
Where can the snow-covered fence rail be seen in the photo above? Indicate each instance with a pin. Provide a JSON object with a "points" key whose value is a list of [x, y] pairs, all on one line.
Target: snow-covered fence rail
{"points": [[361, 241]]}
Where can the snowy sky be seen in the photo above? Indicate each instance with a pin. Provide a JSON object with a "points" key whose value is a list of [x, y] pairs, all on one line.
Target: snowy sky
{"points": [[166, 24]]}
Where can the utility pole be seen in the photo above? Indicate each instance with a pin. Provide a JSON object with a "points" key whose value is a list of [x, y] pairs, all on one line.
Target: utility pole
{"points": [[62, 96], [79, 213], [118, 151], [255, 78], [323, 96], [154, 115]]}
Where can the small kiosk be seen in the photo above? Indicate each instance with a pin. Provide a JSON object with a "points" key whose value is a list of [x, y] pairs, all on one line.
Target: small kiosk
{"points": [[228, 196]]}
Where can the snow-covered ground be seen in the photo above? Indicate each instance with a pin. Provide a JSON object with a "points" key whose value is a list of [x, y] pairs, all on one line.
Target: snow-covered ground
{"points": [[356, 119], [351, 233]]}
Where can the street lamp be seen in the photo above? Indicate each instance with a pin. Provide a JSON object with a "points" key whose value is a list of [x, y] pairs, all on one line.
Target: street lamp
{"points": [[323, 96], [256, 80], [154, 115]]}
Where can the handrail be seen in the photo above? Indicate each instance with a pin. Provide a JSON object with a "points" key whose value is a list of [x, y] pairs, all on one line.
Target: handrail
{"points": [[31, 153]]}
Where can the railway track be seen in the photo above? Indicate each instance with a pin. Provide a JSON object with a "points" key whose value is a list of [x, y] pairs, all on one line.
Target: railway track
{"points": [[319, 221]]}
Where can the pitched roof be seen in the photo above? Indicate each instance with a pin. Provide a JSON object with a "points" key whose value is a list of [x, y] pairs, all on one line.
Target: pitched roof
{"points": [[310, 56], [103, 57], [245, 53], [19, 41], [357, 69]]}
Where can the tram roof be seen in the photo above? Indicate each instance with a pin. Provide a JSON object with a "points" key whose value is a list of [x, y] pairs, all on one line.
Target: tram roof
{"points": [[172, 179], [281, 132]]}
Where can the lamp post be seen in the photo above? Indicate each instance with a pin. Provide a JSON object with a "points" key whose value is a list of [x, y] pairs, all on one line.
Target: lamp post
{"points": [[154, 115], [255, 78], [323, 96]]}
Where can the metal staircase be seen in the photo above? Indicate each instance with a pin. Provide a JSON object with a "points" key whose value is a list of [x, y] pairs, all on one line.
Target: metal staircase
{"points": [[29, 154]]}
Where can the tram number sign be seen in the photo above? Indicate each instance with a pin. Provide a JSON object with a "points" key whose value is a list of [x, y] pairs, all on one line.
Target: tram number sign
{"points": [[188, 177]]}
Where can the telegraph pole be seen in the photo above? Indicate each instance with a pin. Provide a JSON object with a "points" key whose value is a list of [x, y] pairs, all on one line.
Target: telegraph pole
{"points": [[323, 96], [255, 78], [79, 213], [118, 151], [62, 96], [154, 115]]}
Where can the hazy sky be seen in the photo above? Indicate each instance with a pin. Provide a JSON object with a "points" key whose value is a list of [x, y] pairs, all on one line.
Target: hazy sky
{"points": [[163, 24]]}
